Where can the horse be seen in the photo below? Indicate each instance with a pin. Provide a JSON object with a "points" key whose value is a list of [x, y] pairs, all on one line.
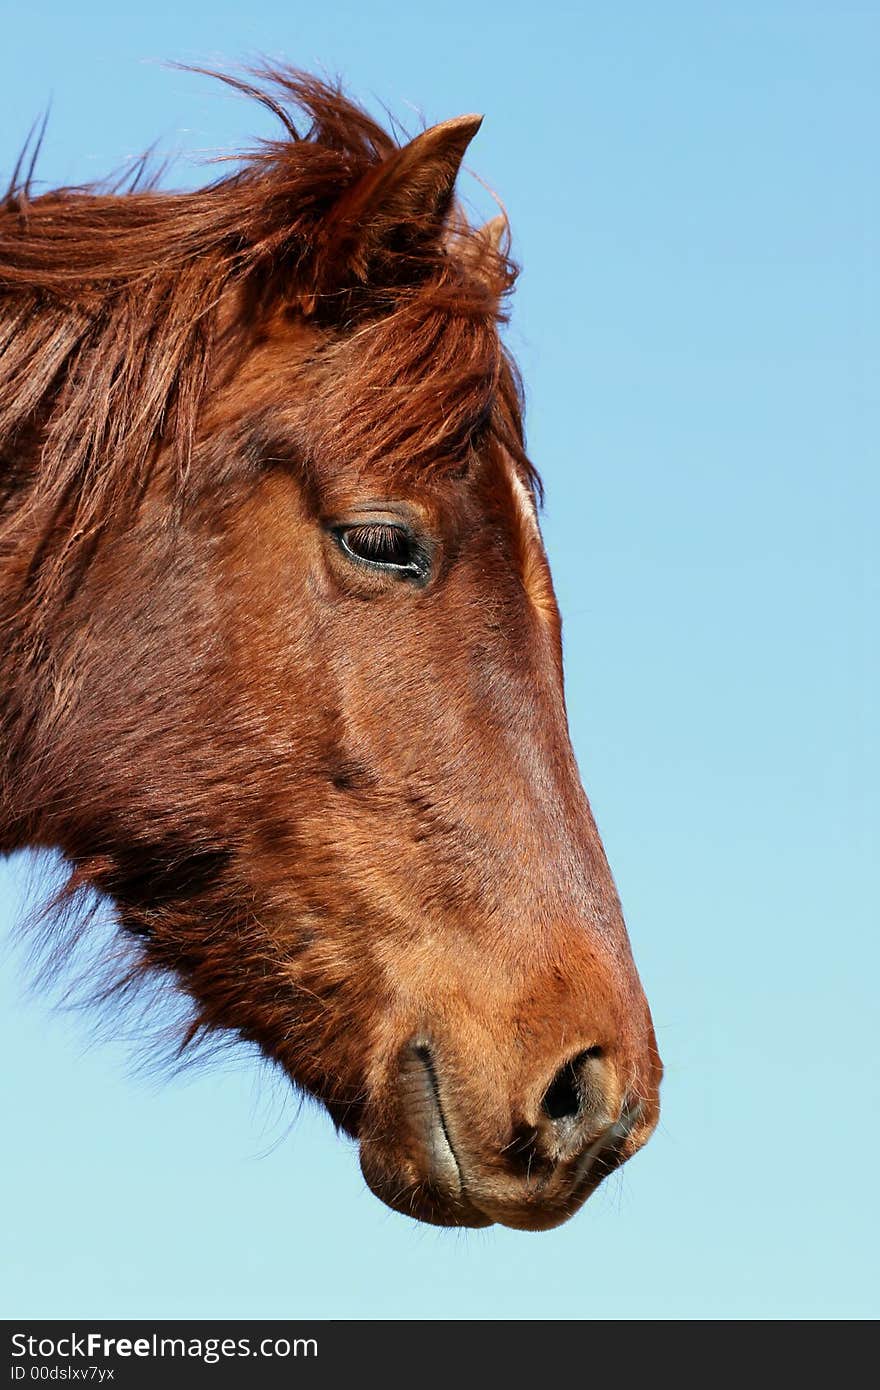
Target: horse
{"points": [[281, 657]]}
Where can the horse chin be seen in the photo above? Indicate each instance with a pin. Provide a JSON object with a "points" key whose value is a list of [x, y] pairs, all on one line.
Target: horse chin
{"points": [[404, 1190]]}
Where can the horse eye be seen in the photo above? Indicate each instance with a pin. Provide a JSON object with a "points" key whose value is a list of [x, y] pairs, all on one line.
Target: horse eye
{"points": [[379, 543]]}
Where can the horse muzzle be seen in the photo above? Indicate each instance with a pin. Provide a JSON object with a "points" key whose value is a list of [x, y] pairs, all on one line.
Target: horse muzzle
{"points": [[448, 1160]]}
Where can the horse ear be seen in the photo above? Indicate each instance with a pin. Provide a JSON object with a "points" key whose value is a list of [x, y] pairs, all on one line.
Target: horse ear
{"points": [[481, 248], [484, 251], [397, 212], [494, 234]]}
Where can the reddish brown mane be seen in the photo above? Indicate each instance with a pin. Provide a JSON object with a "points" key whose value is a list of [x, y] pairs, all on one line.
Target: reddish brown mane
{"points": [[109, 316]]}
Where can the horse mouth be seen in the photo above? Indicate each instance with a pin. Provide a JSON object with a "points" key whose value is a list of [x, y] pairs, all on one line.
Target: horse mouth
{"points": [[436, 1180], [442, 1161], [440, 1197]]}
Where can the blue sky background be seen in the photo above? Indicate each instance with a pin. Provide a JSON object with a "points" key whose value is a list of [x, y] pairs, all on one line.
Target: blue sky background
{"points": [[693, 193]]}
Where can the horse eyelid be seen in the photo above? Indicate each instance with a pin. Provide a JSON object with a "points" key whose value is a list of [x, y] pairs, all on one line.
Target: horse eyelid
{"points": [[418, 565]]}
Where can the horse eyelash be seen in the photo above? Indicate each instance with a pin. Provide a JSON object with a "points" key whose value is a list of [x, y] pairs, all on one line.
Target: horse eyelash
{"points": [[366, 543], [377, 537]]}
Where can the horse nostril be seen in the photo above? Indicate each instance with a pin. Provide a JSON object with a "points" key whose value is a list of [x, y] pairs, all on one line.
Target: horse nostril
{"points": [[566, 1094]]}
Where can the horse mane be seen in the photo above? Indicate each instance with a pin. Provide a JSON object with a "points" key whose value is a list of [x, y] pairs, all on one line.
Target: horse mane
{"points": [[110, 327]]}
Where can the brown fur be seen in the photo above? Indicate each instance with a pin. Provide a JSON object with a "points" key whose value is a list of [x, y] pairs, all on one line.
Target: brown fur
{"points": [[338, 806]]}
